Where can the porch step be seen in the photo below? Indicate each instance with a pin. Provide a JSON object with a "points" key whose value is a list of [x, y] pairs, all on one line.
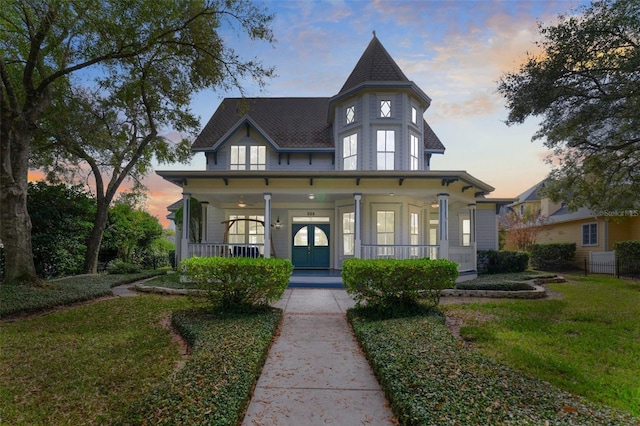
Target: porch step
{"points": [[315, 279]]}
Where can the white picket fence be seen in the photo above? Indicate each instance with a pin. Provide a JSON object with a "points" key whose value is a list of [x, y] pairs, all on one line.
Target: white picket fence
{"points": [[602, 262]]}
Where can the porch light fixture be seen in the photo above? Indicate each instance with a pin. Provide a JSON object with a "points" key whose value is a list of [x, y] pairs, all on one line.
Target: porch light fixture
{"points": [[242, 204], [278, 224], [312, 196]]}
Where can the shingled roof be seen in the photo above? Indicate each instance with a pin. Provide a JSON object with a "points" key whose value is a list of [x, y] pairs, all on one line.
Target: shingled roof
{"points": [[290, 123], [375, 65]]}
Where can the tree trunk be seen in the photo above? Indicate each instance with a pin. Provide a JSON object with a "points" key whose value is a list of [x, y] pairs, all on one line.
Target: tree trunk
{"points": [[15, 223], [95, 238], [16, 233]]}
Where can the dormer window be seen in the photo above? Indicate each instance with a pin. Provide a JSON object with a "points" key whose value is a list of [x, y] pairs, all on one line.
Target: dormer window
{"points": [[385, 108], [350, 114], [256, 160]]}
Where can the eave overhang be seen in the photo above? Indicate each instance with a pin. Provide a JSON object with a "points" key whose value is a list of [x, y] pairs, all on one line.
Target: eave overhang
{"points": [[446, 178]]}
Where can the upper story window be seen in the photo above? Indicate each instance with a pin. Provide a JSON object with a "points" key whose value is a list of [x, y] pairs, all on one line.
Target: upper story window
{"points": [[414, 163], [350, 114], [386, 142], [385, 108], [590, 234], [256, 160], [238, 157], [414, 115], [350, 152]]}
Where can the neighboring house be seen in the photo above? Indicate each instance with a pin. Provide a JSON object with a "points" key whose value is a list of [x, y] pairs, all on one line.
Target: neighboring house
{"points": [[335, 178], [593, 233]]}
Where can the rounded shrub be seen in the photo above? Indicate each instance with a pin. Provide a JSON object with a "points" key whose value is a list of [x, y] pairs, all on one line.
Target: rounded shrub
{"points": [[238, 281], [391, 282]]}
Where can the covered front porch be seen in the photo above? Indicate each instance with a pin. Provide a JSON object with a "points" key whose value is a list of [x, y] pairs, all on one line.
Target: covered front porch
{"points": [[318, 219]]}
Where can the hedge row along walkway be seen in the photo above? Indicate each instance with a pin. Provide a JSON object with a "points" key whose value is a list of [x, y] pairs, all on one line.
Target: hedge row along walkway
{"points": [[315, 373]]}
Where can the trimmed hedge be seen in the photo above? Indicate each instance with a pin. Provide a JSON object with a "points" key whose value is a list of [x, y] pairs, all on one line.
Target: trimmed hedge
{"points": [[239, 281], [430, 378], [542, 254], [627, 250], [390, 282], [502, 262], [215, 386]]}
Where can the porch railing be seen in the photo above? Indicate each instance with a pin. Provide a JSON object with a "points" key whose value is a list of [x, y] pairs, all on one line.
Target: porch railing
{"points": [[465, 257], [225, 250], [370, 251]]}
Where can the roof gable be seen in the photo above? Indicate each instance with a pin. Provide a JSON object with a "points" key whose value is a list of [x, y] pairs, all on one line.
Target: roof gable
{"points": [[289, 123]]}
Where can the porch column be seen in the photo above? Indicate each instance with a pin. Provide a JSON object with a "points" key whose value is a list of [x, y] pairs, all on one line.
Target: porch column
{"points": [[184, 245], [357, 233], [443, 225], [267, 224], [204, 224], [472, 236]]}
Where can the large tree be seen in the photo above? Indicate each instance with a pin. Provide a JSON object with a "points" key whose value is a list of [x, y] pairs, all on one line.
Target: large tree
{"points": [[584, 84], [169, 46]]}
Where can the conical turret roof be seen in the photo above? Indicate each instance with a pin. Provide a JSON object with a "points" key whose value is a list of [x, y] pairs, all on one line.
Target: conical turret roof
{"points": [[375, 65]]}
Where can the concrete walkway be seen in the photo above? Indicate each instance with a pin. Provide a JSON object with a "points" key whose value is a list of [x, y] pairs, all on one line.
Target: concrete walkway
{"points": [[315, 373]]}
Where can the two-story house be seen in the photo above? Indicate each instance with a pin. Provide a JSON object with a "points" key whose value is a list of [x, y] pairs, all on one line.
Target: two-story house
{"points": [[334, 178]]}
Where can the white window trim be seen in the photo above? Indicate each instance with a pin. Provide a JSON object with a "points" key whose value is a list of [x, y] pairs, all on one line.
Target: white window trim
{"points": [[414, 159], [245, 160], [590, 243], [346, 114], [351, 154], [378, 152], [380, 103], [351, 235]]}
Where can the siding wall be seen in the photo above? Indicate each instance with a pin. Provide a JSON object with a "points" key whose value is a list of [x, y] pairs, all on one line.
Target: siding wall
{"points": [[571, 232], [486, 228]]}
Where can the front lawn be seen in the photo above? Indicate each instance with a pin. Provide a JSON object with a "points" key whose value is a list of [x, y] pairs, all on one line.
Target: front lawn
{"points": [[587, 342], [112, 362], [431, 378], [85, 365]]}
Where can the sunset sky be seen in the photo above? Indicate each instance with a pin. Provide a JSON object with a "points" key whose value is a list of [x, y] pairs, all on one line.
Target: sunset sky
{"points": [[453, 50]]}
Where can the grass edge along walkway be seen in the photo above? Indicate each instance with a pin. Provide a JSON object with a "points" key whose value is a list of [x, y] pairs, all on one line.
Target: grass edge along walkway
{"points": [[431, 378], [215, 387]]}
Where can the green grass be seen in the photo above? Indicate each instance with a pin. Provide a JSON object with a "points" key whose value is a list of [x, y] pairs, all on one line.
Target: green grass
{"points": [[20, 299], [112, 361], [431, 378], [587, 342], [85, 365]]}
